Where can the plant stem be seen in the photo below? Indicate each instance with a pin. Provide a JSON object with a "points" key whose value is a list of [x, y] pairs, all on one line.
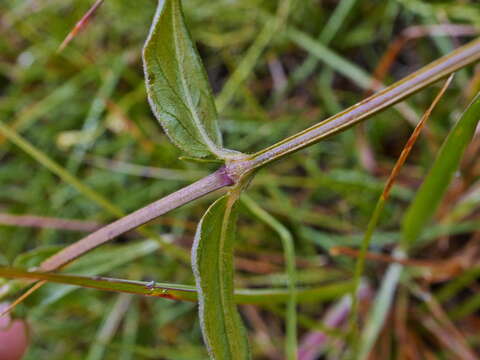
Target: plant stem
{"points": [[236, 169], [210, 183], [385, 98]]}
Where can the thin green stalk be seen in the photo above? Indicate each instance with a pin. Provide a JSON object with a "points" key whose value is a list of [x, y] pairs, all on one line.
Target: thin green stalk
{"points": [[289, 254], [359, 268], [109, 327], [58, 170], [245, 67], [265, 296], [379, 310], [326, 35], [66, 176]]}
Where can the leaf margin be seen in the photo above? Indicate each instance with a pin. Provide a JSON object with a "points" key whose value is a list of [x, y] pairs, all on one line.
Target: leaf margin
{"points": [[233, 326]]}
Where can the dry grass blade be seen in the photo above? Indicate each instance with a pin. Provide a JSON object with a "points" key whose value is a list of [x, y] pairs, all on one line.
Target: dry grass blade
{"points": [[383, 198], [413, 138], [23, 297], [441, 318], [411, 33], [79, 25]]}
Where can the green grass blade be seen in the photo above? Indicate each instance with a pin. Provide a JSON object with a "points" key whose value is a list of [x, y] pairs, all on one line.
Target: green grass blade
{"points": [[289, 254], [212, 261], [109, 327], [329, 57], [264, 297], [87, 191], [440, 175], [55, 168], [97, 107], [247, 64], [130, 332], [63, 93], [379, 310], [328, 33]]}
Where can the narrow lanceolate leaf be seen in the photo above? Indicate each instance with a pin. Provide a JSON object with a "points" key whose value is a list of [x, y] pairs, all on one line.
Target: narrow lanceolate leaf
{"points": [[177, 85], [440, 175], [212, 261]]}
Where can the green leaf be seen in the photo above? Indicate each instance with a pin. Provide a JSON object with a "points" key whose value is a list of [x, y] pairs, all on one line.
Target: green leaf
{"points": [[212, 261], [177, 85], [440, 175]]}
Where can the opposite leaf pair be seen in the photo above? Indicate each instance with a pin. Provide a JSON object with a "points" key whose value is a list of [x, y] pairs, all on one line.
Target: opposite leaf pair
{"points": [[182, 101]]}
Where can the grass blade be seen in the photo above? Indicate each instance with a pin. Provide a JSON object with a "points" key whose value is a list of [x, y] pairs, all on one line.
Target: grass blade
{"points": [[265, 297], [431, 192], [79, 25], [109, 327], [372, 224], [253, 54], [380, 308], [289, 254]]}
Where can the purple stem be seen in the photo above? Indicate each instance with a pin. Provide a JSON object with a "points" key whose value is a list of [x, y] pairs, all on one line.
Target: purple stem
{"points": [[212, 182], [366, 108], [383, 99]]}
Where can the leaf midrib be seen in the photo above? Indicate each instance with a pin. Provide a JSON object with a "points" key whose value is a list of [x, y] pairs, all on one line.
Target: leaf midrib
{"points": [[223, 299], [191, 108]]}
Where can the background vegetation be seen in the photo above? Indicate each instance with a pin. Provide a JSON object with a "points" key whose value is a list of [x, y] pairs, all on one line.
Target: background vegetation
{"points": [[86, 109]]}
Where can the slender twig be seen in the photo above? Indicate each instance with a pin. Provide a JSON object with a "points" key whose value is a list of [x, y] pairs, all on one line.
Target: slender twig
{"points": [[80, 25]]}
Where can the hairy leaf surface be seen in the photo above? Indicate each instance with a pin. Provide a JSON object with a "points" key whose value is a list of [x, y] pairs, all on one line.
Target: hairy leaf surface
{"points": [[212, 260], [177, 86]]}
